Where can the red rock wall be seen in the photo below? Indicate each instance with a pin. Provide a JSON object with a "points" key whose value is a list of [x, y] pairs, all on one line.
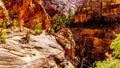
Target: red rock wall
{"points": [[27, 11]]}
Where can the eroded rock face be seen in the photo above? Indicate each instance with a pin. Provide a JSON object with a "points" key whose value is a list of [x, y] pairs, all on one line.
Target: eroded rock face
{"points": [[4, 14], [63, 5], [26, 11], [65, 38], [41, 51], [92, 43]]}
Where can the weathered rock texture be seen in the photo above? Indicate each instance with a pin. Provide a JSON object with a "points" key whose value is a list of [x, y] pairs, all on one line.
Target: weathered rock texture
{"points": [[26, 11], [42, 51], [93, 7], [65, 38], [92, 43], [63, 5], [4, 14]]}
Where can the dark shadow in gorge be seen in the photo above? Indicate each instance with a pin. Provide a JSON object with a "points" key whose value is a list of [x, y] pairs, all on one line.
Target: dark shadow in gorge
{"points": [[93, 38]]}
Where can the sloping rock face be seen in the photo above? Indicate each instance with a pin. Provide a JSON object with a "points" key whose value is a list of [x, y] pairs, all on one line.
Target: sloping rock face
{"points": [[26, 11], [42, 51]]}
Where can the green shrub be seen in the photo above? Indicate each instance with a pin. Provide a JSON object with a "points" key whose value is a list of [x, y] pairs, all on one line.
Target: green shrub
{"points": [[112, 62], [37, 27], [3, 24], [115, 45], [14, 23], [2, 36], [3, 32], [59, 22], [27, 36]]}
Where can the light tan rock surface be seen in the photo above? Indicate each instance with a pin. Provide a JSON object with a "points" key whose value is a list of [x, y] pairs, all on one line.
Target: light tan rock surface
{"points": [[41, 52]]}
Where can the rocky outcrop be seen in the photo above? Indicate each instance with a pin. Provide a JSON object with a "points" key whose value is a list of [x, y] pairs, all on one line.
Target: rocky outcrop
{"points": [[66, 39], [4, 14], [62, 6], [41, 51], [26, 11], [92, 43]]}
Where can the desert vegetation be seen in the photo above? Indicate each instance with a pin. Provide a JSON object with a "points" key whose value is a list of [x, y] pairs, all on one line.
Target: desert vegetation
{"points": [[88, 32]]}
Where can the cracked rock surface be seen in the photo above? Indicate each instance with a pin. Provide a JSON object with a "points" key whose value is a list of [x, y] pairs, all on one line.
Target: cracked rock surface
{"points": [[42, 51]]}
